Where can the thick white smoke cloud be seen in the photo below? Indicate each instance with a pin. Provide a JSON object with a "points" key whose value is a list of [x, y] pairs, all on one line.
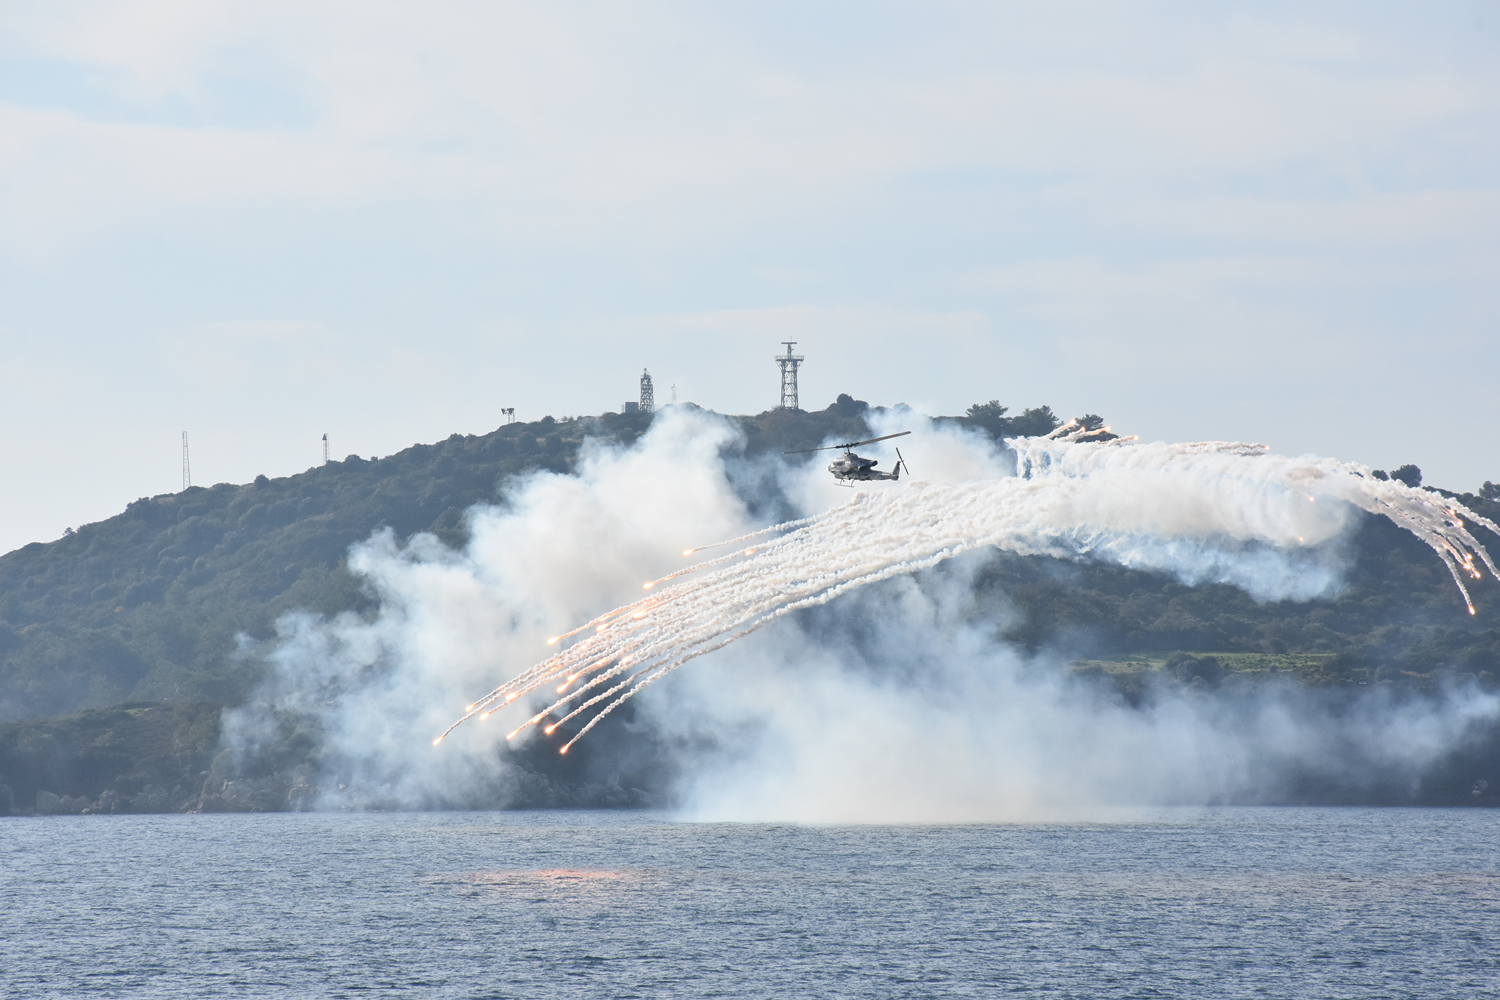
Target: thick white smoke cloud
{"points": [[933, 719], [563, 548]]}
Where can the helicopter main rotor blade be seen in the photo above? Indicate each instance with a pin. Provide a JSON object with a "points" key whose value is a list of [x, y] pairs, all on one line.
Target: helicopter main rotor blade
{"points": [[846, 447]]}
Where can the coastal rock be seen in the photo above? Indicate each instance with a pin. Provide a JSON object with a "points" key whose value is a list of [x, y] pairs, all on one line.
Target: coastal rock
{"points": [[151, 799]]}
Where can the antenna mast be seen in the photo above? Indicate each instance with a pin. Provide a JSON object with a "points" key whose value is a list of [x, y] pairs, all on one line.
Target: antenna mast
{"points": [[187, 470], [325, 449], [648, 396], [789, 363]]}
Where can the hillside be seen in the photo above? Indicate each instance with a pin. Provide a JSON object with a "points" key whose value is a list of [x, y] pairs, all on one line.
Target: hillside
{"points": [[145, 606], [118, 641]]}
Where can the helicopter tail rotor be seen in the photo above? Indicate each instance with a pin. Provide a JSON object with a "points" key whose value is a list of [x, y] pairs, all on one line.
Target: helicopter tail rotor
{"points": [[900, 464]]}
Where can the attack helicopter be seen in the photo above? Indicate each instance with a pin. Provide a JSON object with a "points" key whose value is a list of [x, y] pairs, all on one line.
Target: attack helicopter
{"points": [[851, 468]]}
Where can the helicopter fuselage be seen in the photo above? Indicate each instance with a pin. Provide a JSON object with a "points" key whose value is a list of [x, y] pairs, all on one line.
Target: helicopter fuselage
{"points": [[853, 467]]}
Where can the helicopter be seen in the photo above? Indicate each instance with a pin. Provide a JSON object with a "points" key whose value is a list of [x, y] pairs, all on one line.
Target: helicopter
{"points": [[852, 468]]}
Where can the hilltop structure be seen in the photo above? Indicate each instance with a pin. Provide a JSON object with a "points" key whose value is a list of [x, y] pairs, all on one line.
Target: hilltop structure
{"points": [[789, 363], [647, 402]]}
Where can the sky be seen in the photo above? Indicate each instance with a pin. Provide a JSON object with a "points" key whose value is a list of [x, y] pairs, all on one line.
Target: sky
{"points": [[260, 223]]}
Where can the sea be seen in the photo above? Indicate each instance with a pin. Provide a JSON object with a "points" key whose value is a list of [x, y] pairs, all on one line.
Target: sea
{"points": [[1216, 902]]}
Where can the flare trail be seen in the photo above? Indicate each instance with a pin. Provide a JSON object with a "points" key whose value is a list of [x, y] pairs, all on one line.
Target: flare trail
{"points": [[1073, 496]]}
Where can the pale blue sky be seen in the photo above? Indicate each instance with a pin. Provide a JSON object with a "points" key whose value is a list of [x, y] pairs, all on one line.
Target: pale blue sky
{"points": [[260, 222]]}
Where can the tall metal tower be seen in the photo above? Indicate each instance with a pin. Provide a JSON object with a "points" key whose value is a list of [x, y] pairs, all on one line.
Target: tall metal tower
{"points": [[187, 470], [789, 363], [325, 449], [674, 392], [648, 395], [510, 414]]}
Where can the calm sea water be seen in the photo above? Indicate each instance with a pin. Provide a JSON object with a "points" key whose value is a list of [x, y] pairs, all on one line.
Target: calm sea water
{"points": [[1193, 903]]}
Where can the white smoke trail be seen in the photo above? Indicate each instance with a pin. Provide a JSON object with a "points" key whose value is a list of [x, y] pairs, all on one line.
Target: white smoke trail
{"points": [[1194, 508]]}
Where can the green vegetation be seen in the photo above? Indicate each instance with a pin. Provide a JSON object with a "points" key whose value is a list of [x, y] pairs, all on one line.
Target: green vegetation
{"points": [[1034, 422], [148, 604], [1399, 620], [1309, 668], [135, 757], [119, 642]]}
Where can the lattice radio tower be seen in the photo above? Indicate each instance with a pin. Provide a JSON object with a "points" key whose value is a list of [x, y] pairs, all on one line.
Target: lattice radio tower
{"points": [[187, 470], [789, 363], [325, 449], [648, 395]]}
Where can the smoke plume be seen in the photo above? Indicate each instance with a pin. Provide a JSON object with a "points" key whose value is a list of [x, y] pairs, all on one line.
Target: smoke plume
{"points": [[896, 701]]}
